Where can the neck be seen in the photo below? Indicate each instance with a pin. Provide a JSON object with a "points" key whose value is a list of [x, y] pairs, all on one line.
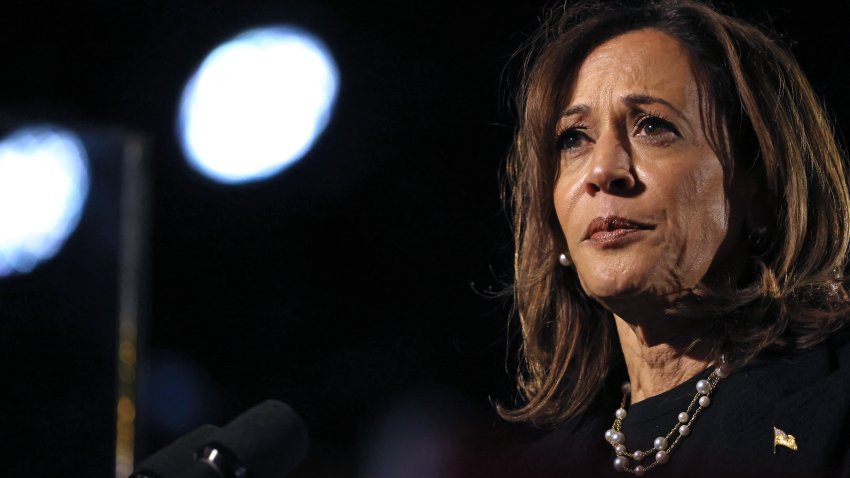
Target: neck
{"points": [[658, 358]]}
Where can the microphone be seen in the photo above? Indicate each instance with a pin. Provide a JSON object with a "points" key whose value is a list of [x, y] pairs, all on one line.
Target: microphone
{"points": [[267, 441], [175, 457]]}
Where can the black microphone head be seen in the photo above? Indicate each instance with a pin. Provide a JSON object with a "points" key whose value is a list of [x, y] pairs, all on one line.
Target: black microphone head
{"points": [[175, 457], [268, 440]]}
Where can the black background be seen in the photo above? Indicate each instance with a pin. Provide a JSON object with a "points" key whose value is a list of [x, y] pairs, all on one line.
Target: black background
{"points": [[358, 278]]}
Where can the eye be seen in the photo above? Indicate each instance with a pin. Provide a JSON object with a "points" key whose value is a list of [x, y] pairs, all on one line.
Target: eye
{"points": [[655, 127], [571, 139]]}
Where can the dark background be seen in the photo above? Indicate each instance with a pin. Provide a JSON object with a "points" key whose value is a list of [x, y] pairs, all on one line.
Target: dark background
{"points": [[355, 285]]}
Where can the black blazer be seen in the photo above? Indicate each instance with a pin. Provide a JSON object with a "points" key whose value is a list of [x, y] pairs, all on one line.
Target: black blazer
{"points": [[804, 394]]}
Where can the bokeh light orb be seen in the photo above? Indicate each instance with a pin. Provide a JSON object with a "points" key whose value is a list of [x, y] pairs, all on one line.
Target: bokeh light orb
{"points": [[44, 182], [257, 104]]}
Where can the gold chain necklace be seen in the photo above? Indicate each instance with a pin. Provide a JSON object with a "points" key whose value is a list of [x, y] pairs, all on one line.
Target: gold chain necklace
{"points": [[662, 447]]}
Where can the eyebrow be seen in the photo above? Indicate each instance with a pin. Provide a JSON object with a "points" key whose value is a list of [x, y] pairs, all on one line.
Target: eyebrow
{"points": [[630, 100], [635, 99], [575, 109]]}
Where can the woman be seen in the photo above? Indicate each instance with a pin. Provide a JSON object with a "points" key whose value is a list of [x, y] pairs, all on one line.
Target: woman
{"points": [[682, 216]]}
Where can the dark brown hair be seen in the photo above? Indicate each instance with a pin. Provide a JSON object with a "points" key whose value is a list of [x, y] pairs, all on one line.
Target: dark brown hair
{"points": [[760, 113]]}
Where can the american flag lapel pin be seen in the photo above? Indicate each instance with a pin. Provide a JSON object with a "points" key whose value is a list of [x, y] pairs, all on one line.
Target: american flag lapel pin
{"points": [[783, 439]]}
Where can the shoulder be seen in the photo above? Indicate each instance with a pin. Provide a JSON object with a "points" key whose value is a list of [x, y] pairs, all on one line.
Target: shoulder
{"points": [[792, 411]]}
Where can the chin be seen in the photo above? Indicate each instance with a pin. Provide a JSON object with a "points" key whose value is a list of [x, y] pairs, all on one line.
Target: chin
{"points": [[623, 287], [631, 273], [603, 290]]}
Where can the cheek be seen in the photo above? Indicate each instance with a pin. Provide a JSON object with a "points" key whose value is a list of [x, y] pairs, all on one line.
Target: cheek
{"points": [[566, 195], [702, 216]]}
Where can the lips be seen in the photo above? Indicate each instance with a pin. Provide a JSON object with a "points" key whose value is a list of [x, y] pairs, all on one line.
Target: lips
{"points": [[612, 229]]}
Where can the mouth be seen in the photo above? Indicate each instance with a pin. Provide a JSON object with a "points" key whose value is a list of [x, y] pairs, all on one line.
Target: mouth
{"points": [[613, 229]]}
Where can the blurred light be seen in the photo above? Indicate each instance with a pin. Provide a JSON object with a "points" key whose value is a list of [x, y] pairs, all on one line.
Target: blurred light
{"points": [[180, 394], [257, 104], [419, 434], [44, 181]]}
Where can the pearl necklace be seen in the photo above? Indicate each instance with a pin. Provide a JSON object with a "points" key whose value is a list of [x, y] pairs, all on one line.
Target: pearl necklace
{"points": [[662, 447]]}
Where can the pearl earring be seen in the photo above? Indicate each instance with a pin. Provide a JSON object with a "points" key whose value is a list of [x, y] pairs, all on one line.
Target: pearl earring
{"points": [[564, 260]]}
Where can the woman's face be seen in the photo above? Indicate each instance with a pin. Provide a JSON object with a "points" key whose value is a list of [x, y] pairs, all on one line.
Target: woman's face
{"points": [[640, 194]]}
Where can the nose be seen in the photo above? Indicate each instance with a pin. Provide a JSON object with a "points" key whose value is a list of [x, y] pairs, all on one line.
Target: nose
{"points": [[610, 168]]}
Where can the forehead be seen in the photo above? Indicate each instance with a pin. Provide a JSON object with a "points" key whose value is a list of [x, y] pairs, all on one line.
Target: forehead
{"points": [[644, 61]]}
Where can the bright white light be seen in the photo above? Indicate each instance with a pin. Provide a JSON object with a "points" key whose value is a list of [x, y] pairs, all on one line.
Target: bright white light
{"points": [[257, 104], [44, 182]]}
